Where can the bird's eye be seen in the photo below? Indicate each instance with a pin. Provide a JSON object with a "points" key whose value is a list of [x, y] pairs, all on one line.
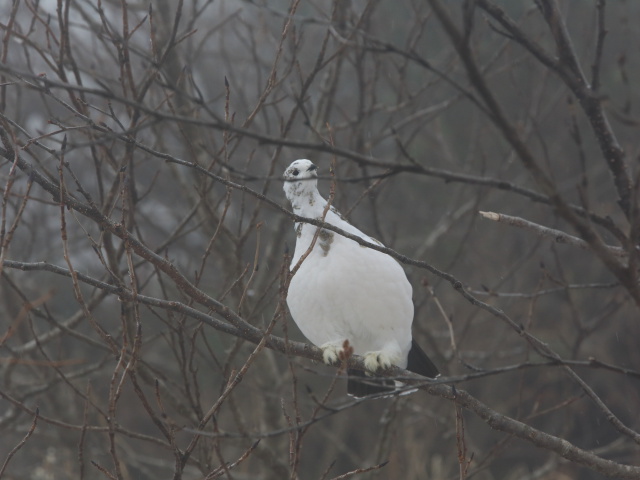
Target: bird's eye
{"points": [[295, 172]]}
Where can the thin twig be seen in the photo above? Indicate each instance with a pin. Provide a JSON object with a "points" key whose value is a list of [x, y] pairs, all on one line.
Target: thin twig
{"points": [[557, 235], [22, 442]]}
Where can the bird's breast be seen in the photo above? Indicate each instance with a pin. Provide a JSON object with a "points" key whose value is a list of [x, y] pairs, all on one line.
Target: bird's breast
{"points": [[343, 290]]}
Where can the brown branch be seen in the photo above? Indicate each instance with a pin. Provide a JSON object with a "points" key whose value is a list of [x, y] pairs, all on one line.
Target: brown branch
{"points": [[493, 419], [358, 471], [188, 288], [461, 443], [602, 33], [567, 66], [218, 472], [557, 235], [196, 294], [523, 431], [22, 442], [297, 348], [393, 168], [544, 182], [20, 404]]}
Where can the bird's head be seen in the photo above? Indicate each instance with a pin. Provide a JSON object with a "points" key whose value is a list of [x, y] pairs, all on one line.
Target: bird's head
{"points": [[300, 178]]}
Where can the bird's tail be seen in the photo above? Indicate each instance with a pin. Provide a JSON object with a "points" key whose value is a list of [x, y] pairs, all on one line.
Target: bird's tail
{"points": [[418, 362]]}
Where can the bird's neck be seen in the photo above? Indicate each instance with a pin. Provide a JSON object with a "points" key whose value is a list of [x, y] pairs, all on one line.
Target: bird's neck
{"points": [[307, 203]]}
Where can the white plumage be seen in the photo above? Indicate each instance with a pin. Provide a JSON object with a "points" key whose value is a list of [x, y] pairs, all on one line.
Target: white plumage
{"points": [[344, 291]]}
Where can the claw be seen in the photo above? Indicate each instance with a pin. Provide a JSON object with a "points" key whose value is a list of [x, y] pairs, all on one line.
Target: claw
{"points": [[331, 353], [374, 361]]}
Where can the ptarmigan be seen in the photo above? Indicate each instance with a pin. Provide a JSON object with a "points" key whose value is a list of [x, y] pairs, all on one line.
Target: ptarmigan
{"points": [[345, 291]]}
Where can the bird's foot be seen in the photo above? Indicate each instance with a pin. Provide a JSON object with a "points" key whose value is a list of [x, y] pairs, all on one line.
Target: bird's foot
{"points": [[379, 360], [331, 352]]}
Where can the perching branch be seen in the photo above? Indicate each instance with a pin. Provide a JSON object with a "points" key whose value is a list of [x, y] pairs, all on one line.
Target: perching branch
{"points": [[436, 388]]}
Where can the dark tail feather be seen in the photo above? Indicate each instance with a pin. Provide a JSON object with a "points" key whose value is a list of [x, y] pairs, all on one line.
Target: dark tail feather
{"points": [[361, 385], [419, 363]]}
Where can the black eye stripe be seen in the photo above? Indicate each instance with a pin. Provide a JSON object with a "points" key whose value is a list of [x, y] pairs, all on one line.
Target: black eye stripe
{"points": [[295, 172]]}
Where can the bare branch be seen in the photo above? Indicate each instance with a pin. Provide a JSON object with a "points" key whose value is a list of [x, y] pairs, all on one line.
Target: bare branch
{"points": [[557, 235]]}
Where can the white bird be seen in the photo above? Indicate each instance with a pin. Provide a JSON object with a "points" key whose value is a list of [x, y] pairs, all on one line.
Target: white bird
{"points": [[345, 291]]}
